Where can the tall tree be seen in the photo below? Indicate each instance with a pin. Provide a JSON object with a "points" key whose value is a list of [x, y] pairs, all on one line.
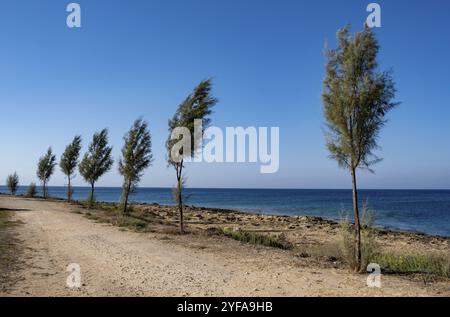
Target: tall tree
{"points": [[12, 181], [69, 162], [197, 106], [136, 157], [46, 167], [97, 161], [356, 99]]}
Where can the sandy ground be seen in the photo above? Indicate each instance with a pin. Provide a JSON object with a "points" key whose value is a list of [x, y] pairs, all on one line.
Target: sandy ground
{"points": [[115, 262]]}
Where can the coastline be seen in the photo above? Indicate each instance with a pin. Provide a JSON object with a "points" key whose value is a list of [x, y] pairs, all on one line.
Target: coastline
{"points": [[144, 255], [401, 210], [332, 220]]}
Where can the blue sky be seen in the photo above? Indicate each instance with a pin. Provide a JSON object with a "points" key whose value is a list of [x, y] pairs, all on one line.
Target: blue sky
{"points": [[141, 58]]}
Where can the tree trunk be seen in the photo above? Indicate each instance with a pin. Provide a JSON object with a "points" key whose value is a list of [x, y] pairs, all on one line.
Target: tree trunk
{"points": [[357, 223], [127, 192], [69, 191], [91, 200], [180, 209], [45, 190], [180, 196]]}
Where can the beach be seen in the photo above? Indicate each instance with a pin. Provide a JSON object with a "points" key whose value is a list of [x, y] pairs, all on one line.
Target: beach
{"points": [[118, 261]]}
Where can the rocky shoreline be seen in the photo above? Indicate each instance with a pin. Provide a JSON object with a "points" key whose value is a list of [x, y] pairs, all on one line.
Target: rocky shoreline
{"points": [[297, 229]]}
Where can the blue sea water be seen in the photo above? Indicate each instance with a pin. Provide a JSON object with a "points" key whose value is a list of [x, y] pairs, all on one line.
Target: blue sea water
{"points": [[425, 211]]}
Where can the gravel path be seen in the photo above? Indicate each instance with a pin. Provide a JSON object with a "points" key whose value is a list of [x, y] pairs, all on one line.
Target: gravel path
{"points": [[122, 263]]}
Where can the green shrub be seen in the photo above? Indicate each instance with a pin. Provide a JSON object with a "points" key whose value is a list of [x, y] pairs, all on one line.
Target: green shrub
{"points": [[31, 190], [256, 238], [434, 263], [346, 244]]}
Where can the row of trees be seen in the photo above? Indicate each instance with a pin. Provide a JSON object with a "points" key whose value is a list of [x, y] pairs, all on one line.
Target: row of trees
{"points": [[136, 155], [356, 99]]}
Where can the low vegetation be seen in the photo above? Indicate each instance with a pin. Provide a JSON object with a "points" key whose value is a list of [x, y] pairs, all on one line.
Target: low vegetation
{"points": [[369, 246], [341, 252], [267, 240], [134, 219], [432, 263], [31, 191]]}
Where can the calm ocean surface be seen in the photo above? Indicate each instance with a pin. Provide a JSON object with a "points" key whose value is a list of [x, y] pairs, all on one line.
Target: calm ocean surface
{"points": [[426, 211]]}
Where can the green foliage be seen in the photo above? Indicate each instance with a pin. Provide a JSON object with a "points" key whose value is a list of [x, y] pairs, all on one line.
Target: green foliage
{"points": [[46, 167], [97, 161], [434, 263], [69, 159], [255, 238], [356, 99], [197, 106], [369, 246], [136, 157], [12, 181], [31, 190], [69, 162], [178, 191]]}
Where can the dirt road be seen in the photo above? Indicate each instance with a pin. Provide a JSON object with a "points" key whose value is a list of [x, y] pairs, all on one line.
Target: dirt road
{"points": [[114, 262]]}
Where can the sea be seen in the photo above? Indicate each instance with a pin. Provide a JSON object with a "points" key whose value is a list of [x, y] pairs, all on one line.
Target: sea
{"points": [[423, 211]]}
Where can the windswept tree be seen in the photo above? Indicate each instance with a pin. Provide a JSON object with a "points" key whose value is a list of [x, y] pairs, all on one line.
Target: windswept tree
{"points": [[356, 99], [183, 131], [12, 181], [69, 163], [46, 167], [136, 157], [97, 161]]}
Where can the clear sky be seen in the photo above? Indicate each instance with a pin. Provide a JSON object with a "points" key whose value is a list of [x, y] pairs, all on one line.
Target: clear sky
{"points": [[141, 58]]}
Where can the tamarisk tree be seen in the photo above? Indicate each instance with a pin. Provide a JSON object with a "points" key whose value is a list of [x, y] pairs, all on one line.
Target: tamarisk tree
{"points": [[46, 167], [356, 99], [184, 138], [69, 162], [12, 181], [97, 161], [136, 157]]}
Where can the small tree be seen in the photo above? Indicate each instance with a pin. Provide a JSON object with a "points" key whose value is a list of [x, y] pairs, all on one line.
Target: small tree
{"points": [[197, 106], [46, 167], [97, 161], [356, 100], [69, 162], [12, 181], [136, 157], [31, 190]]}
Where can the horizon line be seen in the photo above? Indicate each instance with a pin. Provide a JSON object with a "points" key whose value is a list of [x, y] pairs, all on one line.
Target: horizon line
{"points": [[252, 188]]}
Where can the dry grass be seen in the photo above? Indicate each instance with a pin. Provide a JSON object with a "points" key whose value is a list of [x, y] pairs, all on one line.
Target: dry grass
{"points": [[134, 219], [254, 238]]}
